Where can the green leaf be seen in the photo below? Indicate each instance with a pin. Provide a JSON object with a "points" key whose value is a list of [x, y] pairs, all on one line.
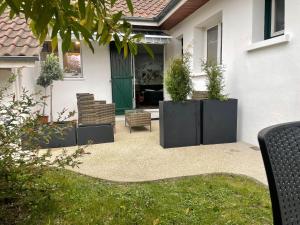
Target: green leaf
{"points": [[148, 50], [118, 42], [133, 48], [54, 43], [125, 46], [66, 41], [130, 6], [100, 26], [81, 6], [3, 7]]}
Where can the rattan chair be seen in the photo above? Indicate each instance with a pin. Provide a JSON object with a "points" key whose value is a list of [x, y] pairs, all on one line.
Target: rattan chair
{"points": [[280, 148], [105, 113], [86, 109], [199, 95]]}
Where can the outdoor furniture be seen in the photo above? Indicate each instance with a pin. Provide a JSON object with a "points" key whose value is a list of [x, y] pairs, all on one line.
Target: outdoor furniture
{"points": [[199, 95], [86, 109], [280, 149], [105, 113], [96, 120], [137, 118]]}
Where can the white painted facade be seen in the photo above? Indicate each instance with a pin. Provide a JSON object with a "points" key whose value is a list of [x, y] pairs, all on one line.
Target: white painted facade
{"points": [[263, 75]]}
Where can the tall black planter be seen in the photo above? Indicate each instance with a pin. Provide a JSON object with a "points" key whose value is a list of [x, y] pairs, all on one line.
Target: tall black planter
{"points": [[179, 123], [67, 139], [219, 121]]}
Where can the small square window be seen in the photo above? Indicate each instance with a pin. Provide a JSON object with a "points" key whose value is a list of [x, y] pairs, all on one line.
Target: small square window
{"points": [[72, 61]]}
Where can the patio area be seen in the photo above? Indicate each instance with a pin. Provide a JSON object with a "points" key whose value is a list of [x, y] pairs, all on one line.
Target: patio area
{"points": [[138, 157]]}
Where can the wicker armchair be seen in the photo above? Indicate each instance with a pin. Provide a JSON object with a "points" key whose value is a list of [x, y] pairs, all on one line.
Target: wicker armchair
{"points": [[280, 148], [86, 109], [105, 113], [94, 112], [199, 95]]}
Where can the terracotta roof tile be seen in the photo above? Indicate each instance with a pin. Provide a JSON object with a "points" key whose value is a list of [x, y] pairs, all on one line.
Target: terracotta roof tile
{"points": [[16, 39], [142, 8]]}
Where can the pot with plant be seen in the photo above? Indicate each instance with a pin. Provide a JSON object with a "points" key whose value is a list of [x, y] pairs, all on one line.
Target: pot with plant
{"points": [[219, 113], [179, 119], [50, 71]]}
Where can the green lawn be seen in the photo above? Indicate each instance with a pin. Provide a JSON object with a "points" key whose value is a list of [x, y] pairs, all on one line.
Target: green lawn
{"points": [[213, 199]]}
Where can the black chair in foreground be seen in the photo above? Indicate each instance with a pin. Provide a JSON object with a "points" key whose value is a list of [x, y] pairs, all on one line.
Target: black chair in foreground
{"points": [[280, 149]]}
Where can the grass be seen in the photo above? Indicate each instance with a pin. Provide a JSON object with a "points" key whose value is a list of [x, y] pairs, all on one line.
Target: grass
{"points": [[211, 199]]}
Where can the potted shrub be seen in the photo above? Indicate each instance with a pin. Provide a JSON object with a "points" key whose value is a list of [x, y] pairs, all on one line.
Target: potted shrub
{"points": [[179, 119], [50, 71], [219, 113]]}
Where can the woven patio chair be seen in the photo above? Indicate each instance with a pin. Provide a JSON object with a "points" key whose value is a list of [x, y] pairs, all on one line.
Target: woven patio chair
{"points": [[105, 113], [86, 109], [92, 127], [199, 95], [280, 149]]}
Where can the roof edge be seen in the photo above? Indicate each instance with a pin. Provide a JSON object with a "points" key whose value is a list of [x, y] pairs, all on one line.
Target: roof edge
{"points": [[171, 5]]}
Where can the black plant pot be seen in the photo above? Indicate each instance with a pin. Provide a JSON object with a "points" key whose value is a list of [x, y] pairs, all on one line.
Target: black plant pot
{"points": [[219, 121], [67, 139], [179, 123]]}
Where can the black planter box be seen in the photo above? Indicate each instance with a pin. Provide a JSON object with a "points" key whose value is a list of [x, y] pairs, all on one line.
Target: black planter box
{"points": [[95, 134], [179, 123], [67, 139], [219, 121]]}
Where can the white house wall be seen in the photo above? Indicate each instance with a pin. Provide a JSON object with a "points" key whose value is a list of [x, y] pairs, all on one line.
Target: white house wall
{"points": [[96, 80], [266, 81]]}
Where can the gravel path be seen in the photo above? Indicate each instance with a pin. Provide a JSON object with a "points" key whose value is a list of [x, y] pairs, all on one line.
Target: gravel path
{"points": [[138, 157]]}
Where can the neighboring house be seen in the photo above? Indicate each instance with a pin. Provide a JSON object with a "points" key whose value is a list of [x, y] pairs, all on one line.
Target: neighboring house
{"points": [[258, 41]]}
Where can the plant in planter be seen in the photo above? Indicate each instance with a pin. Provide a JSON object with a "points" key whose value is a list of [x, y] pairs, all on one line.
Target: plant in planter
{"points": [[50, 72], [219, 113], [179, 118]]}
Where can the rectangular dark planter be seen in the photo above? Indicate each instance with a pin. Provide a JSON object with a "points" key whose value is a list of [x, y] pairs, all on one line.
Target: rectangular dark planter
{"points": [[67, 139], [219, 121], [179, 123], [96, 134]]}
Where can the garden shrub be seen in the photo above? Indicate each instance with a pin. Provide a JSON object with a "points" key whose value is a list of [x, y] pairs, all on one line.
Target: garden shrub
{"points": [[215, 80], [22, 162], [178, 81]]}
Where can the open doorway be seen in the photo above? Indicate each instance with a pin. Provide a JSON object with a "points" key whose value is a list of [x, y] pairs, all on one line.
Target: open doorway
{"points": [[149, 77]]}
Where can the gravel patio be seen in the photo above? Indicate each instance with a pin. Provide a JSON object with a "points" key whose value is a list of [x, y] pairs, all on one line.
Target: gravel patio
{"points": [[138, 157]]}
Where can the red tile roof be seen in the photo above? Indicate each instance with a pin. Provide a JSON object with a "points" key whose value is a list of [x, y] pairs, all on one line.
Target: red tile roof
{"points": [[142, 8], [16, 39]]}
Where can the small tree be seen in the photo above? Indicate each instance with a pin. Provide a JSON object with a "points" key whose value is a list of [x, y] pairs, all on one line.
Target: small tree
{"points": [[178, 80], [215, 80], [50, 72]]}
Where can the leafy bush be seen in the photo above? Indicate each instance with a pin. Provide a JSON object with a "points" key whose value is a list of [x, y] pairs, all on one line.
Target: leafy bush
{"points": [[215, 81], [22, 162], [178, 81]]}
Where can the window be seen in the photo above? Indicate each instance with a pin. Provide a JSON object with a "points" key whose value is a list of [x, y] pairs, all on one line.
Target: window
{"points": [[214, 44], [72, 61], [274, 18]]}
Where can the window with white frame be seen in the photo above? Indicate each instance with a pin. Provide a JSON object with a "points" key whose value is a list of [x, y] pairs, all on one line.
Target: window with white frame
{"points": [[274, 18], [72, 61], [214, 44]]}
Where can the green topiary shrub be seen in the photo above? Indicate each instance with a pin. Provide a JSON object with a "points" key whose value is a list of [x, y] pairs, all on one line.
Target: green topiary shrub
{"points": [[215, 81], [178, 81], [50, 72]]}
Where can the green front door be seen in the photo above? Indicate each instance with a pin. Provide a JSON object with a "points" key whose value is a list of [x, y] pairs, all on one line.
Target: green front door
{"points": [[122, 80]]}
